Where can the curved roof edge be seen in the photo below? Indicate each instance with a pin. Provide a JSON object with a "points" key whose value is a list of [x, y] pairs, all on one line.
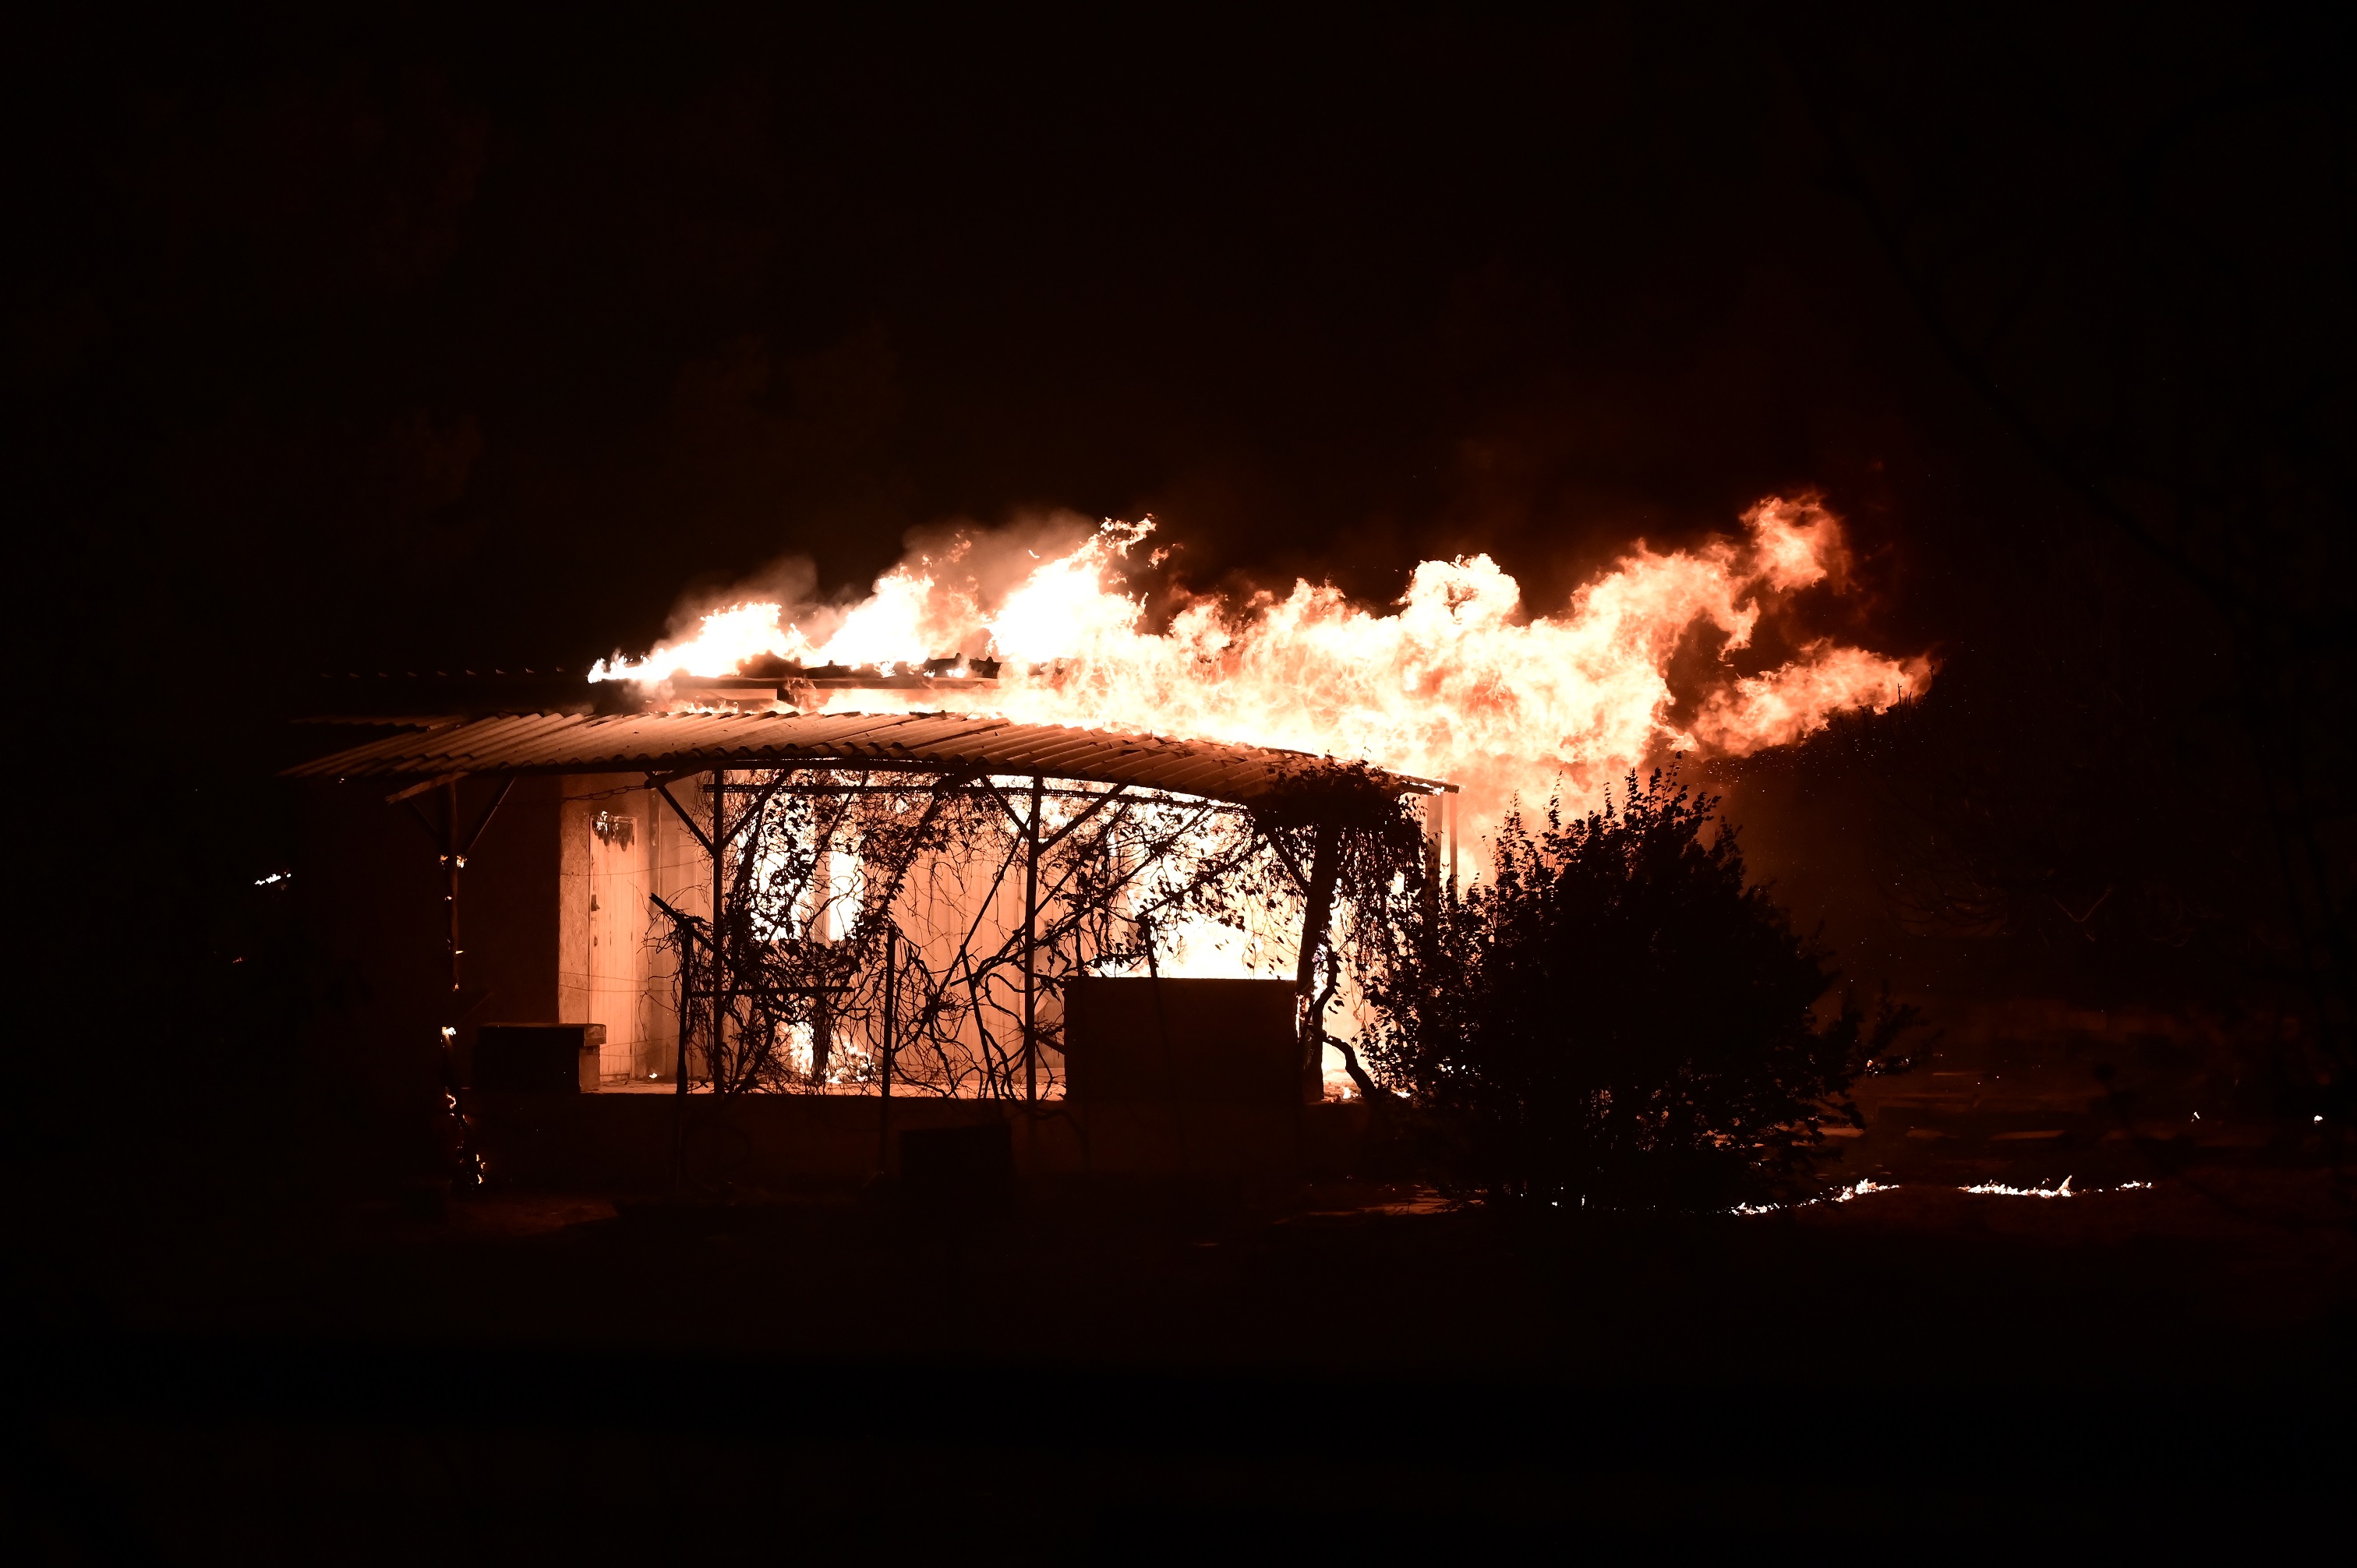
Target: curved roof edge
{"points": [[664, 743]]}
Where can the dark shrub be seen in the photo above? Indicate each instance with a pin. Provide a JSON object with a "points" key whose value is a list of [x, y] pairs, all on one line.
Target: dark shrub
{"points": [[1616, 1019]]}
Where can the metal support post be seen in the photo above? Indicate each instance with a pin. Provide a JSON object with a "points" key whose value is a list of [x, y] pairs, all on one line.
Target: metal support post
{"points": [[719, 938], [1449, 807], [686, 1010], [453, 861], [1324, 867], [1030, 953], [822, 932], [891, 1013]]}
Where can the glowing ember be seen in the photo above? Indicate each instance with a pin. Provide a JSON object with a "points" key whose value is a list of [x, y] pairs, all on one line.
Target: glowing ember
{"points": [[1456, 682]]}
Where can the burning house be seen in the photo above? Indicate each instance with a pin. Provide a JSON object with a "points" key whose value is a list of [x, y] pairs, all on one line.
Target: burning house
{"points": [[743, 899], [793, 859]]}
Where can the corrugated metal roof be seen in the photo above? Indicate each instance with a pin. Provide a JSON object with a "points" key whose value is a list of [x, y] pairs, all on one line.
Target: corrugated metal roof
{"points": [[664, 743]]}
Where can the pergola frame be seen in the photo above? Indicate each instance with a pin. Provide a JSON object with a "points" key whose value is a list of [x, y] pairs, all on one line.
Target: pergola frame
{"points": [[968, 758]]}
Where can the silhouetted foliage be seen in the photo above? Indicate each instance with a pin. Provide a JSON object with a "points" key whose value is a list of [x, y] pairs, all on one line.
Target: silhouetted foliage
{"points": [[1618, 1020]]}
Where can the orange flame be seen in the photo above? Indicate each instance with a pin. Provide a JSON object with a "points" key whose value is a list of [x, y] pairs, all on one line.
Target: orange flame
{"points": [[1452, 682]]}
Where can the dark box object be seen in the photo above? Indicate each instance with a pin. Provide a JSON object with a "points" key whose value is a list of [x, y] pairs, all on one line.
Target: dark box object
{"points": [[1208, 1041], [538, 1058], [967, 1161]]}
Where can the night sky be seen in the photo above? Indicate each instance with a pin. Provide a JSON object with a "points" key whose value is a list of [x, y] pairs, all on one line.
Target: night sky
{"points": [[479, 343], [448, 340]]}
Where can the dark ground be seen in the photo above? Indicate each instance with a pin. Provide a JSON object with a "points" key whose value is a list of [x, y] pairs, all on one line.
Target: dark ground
{"points": [[532, 1377]]}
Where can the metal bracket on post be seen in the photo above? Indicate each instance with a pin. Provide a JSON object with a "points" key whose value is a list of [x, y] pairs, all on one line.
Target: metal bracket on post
{"points": [[1285, 858], [1093, 807], [475, 834], [1006, 805], [662, 788]]}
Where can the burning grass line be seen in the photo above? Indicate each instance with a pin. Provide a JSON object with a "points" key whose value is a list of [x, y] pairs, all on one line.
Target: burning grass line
{"points": [[1867, 1185]]}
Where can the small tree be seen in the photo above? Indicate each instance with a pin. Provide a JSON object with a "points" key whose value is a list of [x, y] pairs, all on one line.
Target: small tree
{"points": [[1618, 1019]]}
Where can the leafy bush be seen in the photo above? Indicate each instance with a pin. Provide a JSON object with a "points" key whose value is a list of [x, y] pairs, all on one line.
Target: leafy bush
{"points": [[1617, 1019]]}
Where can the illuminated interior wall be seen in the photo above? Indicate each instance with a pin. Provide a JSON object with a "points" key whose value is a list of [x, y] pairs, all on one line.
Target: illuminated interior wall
{"points": [[620, 844]]}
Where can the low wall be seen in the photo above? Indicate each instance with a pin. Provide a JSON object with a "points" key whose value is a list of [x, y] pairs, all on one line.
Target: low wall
{"points": [[783, 1142]]}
